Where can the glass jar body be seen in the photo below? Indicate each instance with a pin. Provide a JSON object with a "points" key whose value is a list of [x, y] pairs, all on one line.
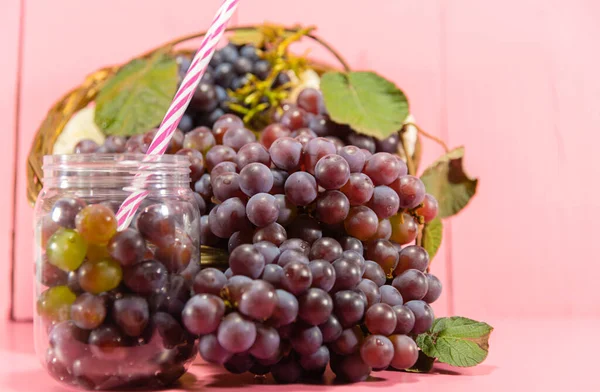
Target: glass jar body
{"points": [[108, 303]]}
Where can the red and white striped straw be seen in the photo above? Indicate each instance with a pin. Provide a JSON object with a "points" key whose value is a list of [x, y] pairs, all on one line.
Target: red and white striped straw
{"points": [[180, 103]]}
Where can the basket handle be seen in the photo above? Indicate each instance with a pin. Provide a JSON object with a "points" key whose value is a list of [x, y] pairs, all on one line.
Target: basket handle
{"points": [[315, 38]]}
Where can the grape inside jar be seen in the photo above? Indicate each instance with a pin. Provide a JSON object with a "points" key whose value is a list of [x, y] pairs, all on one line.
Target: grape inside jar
{"points": [[108, 302]]}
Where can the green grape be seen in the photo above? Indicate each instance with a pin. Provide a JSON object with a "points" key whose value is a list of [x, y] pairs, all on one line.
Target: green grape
{"points": [[100, 276], [96, 223], [66, 249], [54, 304]]}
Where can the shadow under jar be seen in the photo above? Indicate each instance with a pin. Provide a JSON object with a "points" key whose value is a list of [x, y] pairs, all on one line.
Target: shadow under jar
{"points": [[108, 302]]}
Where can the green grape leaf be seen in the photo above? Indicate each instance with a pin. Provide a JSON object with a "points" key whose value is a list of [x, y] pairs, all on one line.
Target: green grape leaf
{"points": [[424, 364], [457, 341], [136, 98], [447, 181], [254, 37], [367, 102], [432, 237]]}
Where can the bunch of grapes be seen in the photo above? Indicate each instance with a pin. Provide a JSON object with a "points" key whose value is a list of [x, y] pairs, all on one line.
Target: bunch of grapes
{"points": [[113, 300], [317, 272]]}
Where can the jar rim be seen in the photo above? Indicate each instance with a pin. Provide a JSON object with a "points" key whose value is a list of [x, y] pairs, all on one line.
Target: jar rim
{"points": [[122, 159]]}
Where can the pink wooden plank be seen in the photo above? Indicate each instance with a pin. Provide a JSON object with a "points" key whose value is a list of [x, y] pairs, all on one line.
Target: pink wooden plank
{"points": [[398, 39], [10, 20], [57, 56], [522, 94]]}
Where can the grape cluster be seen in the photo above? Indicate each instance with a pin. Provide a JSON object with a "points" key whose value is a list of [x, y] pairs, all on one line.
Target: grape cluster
{"points": [[317, 272], [113, 300]]}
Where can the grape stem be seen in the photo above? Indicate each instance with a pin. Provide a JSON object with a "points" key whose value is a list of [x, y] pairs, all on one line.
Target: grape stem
{"points": [[410, 164], [430, 136]]}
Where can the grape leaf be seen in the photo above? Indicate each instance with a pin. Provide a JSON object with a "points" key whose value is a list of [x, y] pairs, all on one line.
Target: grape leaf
{"points": [[457, 341], [447, 181], [136, 98], [367, 102], [432, 237]]}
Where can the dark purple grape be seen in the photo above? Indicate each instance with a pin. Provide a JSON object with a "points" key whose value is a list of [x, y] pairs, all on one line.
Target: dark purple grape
{"points": [[88, 311], [352, 369], [258, 301], [348, 274], [106, 342], [287, 371], [319, 125], [287, 210], [374, 272], [146, 278], [127, 247], [279, 178], [239, 363], [262, 209], [315, 306], [211, 351], [236, 138], [50, 275], [390, 295], [186, 123], [406, 352], [204, 98], [200, 139], [323, 274], [202, 314], [370, 290], [246, 260], [306, 339], [286, 153], [385, 202], [351, 243], [261, 69], [224, 74], [355, 158], [236, 334], [169, 330], [412, 257], [131, 314], [358, 189], [266, 344], [235, 287], [218, 154], [349, 307], [423, 315], [325, 248], [269, 251], [389, 144], [296, 278], [301, 188], [311, 100], [296, 244], [227, 186], [274, 233], [256, 178], [157, 224], [405, 319], [316, 149], [294, 118], [348, 342], [362, 141], [332, 207], [228, 217], [383, 168], [115, 144], [65, 210], [291, 255], [252, 153], [272, 274], [286, 309], [273, 132], [332, 171], [411, 191], [238, 238], [209, 281], [223, 124], [434, 288], [331, 329], [377, 351], [315, 363], [86, 146], [383, 253], [197, 166], [380, 319], [412, 284], [203, 187], [430, 208], [242, 65]]}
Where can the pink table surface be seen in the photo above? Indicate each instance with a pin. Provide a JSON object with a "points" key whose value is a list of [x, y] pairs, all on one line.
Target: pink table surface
{"points": [[525, 355]]}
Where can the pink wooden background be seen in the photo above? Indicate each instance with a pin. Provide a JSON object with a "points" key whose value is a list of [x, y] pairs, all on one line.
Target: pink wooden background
{"points": [[515, 81]]}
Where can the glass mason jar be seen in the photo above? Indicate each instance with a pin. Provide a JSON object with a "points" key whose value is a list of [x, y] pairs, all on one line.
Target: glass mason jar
{"points": [[109, 303]]}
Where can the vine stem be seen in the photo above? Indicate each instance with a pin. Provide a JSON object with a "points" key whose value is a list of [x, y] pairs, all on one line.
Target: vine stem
{"points": [[315, 38], [410, 164], [430, 136]]}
